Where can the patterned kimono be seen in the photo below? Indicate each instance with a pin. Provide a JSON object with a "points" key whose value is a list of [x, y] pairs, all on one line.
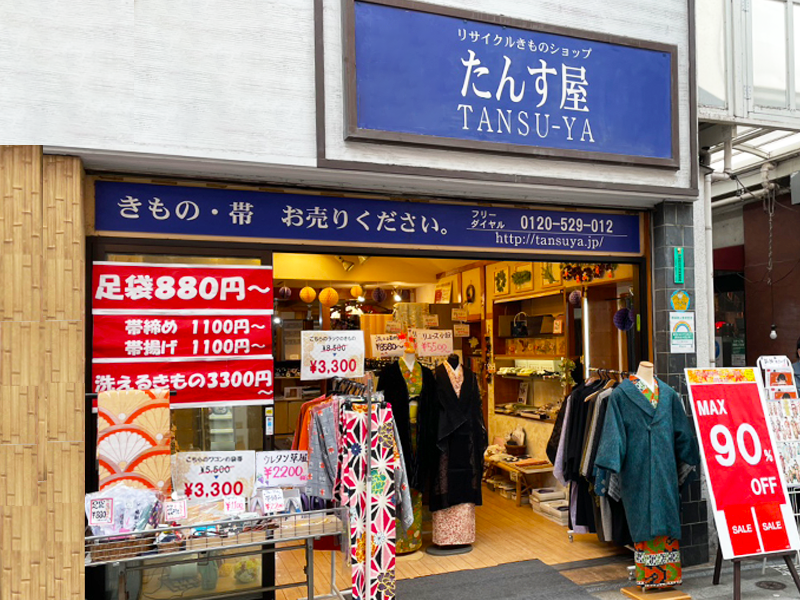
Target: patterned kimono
{"points": [[376, 564], [658, 561], [410, 540]]}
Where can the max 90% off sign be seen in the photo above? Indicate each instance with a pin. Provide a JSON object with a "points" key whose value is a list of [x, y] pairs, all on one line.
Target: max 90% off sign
{"points": [[326, 354], [750, 503]]}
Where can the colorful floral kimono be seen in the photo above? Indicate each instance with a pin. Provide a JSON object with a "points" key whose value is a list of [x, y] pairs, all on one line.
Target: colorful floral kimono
{"points": [[410, 540], [658, 561], [373, 566]]}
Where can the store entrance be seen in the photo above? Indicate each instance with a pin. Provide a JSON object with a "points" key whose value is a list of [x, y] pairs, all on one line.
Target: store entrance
{"points": [[529, 330]]}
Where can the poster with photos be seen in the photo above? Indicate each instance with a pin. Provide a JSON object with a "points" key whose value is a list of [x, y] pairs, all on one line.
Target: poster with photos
{"points": [[783, 412]]}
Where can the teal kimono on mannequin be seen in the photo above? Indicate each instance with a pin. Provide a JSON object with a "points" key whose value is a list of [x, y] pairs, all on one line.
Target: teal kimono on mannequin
{"points": [[648, 447]]}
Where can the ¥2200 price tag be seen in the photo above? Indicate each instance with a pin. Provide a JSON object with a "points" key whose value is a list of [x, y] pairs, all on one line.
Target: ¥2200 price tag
{"points": [[326, 354], [273, 500]]}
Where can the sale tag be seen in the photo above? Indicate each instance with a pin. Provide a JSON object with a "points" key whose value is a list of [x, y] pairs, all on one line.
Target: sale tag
{"points": [[175, 511], [214, 475], [235, 505], [328, 354], [433, 342], [101, 511], [387, 345], [430, 320], [281, 468], [273, 500], [461, 330], [459, 314], [747, 488], [393, 327]]}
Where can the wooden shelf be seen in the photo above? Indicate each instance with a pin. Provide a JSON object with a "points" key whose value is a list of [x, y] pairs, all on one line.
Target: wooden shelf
{"points": [[527, 377], [533, 296], [529, 356]]}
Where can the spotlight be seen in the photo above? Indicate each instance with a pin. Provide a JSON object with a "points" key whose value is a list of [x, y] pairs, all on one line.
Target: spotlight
{"points": [[397, 296], [361, 298], [773, 334], [276, 319]]}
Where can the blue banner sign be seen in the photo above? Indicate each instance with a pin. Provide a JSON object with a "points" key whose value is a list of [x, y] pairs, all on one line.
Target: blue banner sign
{"points": [[158, 209], [426, 78]]}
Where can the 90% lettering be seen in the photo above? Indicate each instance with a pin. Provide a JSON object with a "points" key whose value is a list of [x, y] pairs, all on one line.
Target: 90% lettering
{"points": [[723, 443]]}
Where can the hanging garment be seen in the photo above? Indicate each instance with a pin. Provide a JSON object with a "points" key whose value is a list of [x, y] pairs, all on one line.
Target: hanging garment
{"points": [[658, 562], [392, 383], [374, 566], [645, 446], [409, 539], [454, 526], [452, 441]]}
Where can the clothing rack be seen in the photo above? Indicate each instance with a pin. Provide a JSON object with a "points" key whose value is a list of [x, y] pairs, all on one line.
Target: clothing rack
{"points": [[602, 372], [93, 395]]}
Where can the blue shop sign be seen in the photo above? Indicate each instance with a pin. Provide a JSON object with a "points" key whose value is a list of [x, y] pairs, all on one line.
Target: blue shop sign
{"points": [[428, 75], [175, 210]]}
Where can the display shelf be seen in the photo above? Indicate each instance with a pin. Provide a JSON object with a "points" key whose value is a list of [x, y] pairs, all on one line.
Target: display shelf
{"points": [[231, 534], [527, 418], [528, 356], [529, 377]]}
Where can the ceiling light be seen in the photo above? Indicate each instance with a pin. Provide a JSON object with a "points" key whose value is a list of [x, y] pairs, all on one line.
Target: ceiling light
{"points": [[361, 298], [276, 319], [397, 297]]}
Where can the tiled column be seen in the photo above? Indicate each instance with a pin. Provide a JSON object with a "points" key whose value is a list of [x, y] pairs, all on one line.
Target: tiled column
{"points": [[673, 228]]}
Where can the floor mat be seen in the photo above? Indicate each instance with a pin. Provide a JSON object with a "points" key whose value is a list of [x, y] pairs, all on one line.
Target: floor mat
{"points": [[530, 579]]}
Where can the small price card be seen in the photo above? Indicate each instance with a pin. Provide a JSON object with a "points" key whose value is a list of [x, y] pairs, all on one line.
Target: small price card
{"points": [[430, 320], [175, 511], [234, 505], [394, 327], [459, 314], [387, 345], [460, 330], [273, 500], [328, 354], [101, 511]]}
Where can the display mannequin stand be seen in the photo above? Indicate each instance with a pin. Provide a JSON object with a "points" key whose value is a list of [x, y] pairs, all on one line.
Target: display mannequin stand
{"points": [[645, 373], [448, 550]]}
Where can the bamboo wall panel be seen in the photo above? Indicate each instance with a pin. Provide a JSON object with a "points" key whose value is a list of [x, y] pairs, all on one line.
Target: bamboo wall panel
{"points": [[42, 320]]}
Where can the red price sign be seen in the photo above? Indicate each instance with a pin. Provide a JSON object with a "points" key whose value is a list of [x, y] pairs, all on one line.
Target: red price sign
{"points": [[747, 488]]}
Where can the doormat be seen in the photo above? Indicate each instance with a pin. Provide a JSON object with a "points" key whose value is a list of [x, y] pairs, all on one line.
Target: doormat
{"points": [[528, 580]]}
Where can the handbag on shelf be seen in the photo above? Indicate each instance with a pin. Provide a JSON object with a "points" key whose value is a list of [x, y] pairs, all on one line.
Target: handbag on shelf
{"points": [[519, 327]]}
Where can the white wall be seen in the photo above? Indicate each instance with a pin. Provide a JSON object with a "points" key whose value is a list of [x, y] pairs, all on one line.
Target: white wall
{"points": [[728, 227], [153, 86]]}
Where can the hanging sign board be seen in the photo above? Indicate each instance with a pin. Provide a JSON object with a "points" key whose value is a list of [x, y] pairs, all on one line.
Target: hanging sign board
{"points": [[748, 493], [460, 330], [328, 354], [459, 314], [430, 320], [434, 342], [128, 207], [281, 468], [387, 345], [203, 476], [202, 331], [678, 266], [393, 327], [175, 511]]}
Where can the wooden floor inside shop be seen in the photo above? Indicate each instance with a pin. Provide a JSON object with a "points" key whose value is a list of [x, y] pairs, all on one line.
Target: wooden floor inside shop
{"points": [[505, 533]]}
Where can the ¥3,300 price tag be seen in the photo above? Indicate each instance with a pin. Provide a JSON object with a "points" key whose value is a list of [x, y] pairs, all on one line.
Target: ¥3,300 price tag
{"points": [[101, 511], [328, 354]]}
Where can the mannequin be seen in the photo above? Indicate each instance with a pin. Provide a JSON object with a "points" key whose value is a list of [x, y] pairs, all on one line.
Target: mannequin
{"points": [[645, 373], [452, 442], [648, 442], [406, 384]]}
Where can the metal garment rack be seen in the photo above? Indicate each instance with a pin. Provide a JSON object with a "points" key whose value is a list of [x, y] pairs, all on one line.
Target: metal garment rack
{"points": [[139, 552]]}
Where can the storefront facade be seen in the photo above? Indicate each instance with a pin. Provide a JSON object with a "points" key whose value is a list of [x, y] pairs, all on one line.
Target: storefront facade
{"points": [[368, 112]]}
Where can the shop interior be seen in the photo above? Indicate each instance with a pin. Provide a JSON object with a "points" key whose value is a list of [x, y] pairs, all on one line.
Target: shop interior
{"points": [[528, 330]]}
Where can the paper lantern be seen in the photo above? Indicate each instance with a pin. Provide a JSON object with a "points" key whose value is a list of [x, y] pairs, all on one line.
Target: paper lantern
{"points": [[575, 297], [307, 295], [328, 297], [285, 293], [623, 319], [356, 291], [379, 295]]}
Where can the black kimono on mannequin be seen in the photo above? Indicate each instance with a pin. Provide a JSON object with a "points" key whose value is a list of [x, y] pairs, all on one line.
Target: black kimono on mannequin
{"points": [[393, 385], [452, 439]]}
